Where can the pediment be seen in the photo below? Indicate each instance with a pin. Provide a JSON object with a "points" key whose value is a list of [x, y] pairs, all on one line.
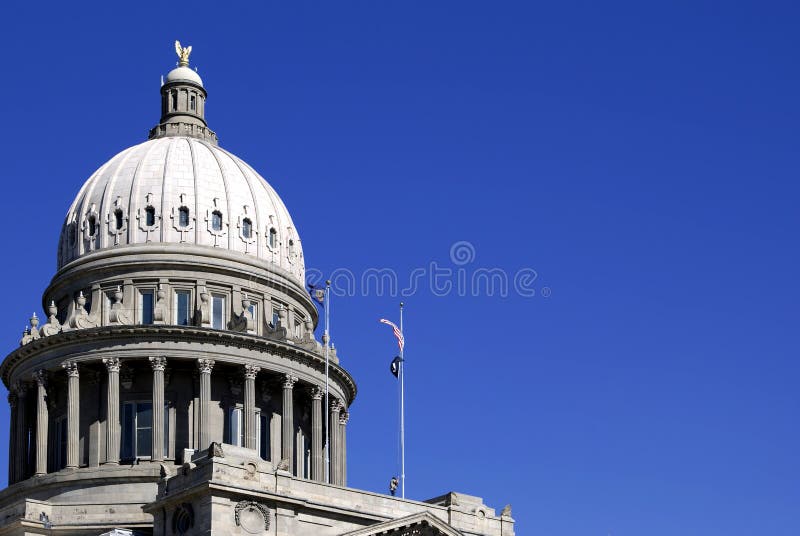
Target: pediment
{"points": [[421, 524]]}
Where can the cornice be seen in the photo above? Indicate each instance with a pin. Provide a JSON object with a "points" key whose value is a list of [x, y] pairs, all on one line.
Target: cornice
{"points": [[109, 335]]}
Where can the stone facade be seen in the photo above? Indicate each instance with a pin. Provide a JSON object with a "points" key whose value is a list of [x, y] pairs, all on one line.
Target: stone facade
{"points": [[177, 386]]}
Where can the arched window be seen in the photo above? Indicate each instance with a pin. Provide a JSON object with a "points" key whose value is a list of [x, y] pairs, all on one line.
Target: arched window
{"points": [[273, 237], [183, 217], [192, 104], [149, 216], [118, 219], [92, 226], [174, 100], [247, 228], [216, 220]]}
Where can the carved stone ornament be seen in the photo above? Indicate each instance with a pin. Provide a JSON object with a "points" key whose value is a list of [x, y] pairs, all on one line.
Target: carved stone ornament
{"points": [[81, 318], [215, 450], [71, 367], [40, 377], [316, 393], [289, 381], [205, 365], [113, 364], [158, 363], [118, 314], [53, 326], [250, 371], [253, 517]]}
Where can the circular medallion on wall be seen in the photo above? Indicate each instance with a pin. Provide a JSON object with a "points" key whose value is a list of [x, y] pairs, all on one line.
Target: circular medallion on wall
{"points": [[253, 517]]}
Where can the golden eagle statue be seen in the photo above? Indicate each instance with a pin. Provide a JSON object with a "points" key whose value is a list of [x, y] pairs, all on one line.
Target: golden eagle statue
{"points": [[183, 54]]}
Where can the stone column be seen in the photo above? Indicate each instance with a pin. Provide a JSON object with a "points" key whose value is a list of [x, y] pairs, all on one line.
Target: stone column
{"points": [[333, 437], [21, 432], [250, 438], [287, 419], [73, 413], [40, 377], [112, 410], [205, 366], [317, 457], [343, 418], [158, 364], [13, 403]]}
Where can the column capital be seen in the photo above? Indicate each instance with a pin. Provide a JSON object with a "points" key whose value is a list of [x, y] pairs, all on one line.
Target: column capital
{"points": [[289, 381], [250, 371], [158, 362], [344, 417], [316, 392], [71, 367], [40, 377], [336, 405], [205, 365], [12, 399], [113, 364], [20, 388]]}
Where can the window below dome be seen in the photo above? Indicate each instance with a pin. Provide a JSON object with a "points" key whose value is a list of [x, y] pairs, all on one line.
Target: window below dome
{"points": [[264, 436], [183, 217], [183, 307], [218, 311], [149, 216], [118, 221], [247, 228], [146, 306], [216, 220], [174, 100], [92, 221], [60, 451], [273, 237], [137, 429], [193, 103]]}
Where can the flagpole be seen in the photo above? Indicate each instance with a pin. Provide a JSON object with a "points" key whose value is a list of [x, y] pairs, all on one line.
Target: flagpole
{"points": [[327, 410], [402, 415]]}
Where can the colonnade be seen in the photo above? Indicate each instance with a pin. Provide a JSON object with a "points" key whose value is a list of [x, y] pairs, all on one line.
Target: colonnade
{"points": [[21, 456]]}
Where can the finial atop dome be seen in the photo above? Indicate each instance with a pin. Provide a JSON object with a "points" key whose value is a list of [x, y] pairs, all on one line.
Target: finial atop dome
{"points": [[183, 102], [183, 53]]}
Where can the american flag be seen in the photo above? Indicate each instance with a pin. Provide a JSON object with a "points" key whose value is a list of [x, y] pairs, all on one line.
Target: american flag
{"points": [[397, 333]]}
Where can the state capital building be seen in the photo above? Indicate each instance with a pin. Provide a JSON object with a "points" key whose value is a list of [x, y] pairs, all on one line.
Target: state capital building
{"points": [[173, 384]]}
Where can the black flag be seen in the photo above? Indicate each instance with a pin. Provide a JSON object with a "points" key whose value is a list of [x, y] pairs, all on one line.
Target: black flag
{"points": [[394, 366]]}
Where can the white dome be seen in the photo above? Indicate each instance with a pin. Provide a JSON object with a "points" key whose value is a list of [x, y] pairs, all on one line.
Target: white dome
{"points": [[180, 190], [184, 74]]}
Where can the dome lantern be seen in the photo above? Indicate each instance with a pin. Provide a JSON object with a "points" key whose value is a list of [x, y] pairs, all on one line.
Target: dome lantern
{"points": [[183, 102]]}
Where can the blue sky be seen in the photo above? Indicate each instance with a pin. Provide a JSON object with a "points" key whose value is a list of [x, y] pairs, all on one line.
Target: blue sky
{"points": [[640, 157]]}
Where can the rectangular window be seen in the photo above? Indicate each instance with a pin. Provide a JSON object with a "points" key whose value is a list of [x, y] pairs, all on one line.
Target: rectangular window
{"points": [[264, 446], [146, 305], [235, 426], [254, 312], [276, 314], [137, 430], [298, 325], [183, 309], [217, 311], [61, 443]]}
